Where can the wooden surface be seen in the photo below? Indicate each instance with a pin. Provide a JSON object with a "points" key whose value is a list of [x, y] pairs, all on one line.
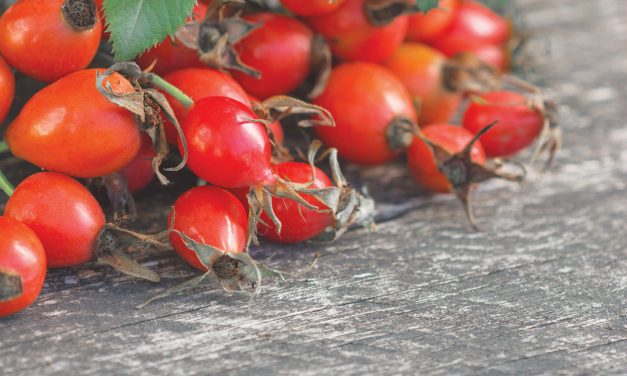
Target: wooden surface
{"points": [[541, 290]]}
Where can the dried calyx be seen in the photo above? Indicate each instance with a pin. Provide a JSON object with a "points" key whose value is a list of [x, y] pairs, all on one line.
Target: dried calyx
{"points": [[345, 205], [10, 285], [215, 36], [463, 174], [235, 272], [348, 206], [550, 139], [260, 201], [383, 12], [280, 106], [466, 73], [400, 133], [147, 104], [321, 64], [112, 237], [120, 198], [80, 14]]}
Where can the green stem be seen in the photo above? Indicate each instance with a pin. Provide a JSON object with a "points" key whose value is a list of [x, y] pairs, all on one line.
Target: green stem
{"points": [[164, 85], [3, 147], [6, 185]]}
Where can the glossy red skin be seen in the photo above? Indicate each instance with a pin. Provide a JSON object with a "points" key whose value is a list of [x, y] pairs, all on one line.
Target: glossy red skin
{"points": [[212, 216], [476, 29], [280, 49], [420, 157], [139, 173], [518, 125], [36, 40], [170, 55], [200, 83], [364, 99], [353, 38], [226, 148], [63, 214], [311, 7], [424, 27], [420, 67], [21, 253], [70, 127], [7, 89], [475, 23], [297, 225]]}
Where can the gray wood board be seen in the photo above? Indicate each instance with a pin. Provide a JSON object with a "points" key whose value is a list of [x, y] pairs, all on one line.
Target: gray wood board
{"points": [[541, 290]]}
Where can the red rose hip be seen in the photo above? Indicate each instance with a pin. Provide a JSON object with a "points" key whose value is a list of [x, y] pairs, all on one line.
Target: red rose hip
{"points": [[22, 266]]}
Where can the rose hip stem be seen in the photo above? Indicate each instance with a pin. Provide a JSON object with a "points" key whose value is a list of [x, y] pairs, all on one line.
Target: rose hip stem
{"points": [[6, 185], [172, 90]]}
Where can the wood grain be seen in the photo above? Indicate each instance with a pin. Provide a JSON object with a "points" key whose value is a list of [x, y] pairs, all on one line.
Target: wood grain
{"points": [[542, 290]]}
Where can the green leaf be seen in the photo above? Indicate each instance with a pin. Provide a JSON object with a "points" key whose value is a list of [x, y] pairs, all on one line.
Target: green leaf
{"points": [[136, 25], [426, 5]]}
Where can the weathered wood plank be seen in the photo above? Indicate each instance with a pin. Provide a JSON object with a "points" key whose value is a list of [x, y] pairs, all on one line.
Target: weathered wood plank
{"points": [[541, 290]]}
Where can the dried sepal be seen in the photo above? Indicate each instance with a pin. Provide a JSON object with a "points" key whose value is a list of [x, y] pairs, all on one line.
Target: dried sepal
{"points": [[255, 208], [550, 139], [148, 105], [260, 201], [158, 240], [384, 12], [400, 133], [329, 196], [10, 285], [215, 36], [235, 272], [321, 64], [120, 197], [133, 102], [264, 5], [107, 252], [466, 73], [347, 205], [281, 106], [463, 174], [126, 265], [207, 255], [344, 204], [195, 282], [252, 272], [158, 99]]}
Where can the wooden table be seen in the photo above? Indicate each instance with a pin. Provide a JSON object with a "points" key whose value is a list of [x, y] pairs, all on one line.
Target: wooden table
{"points": [[541, 290]]}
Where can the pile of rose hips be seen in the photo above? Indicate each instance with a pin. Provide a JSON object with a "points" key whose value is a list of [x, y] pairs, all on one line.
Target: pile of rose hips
{"points": [[382, 79]]}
